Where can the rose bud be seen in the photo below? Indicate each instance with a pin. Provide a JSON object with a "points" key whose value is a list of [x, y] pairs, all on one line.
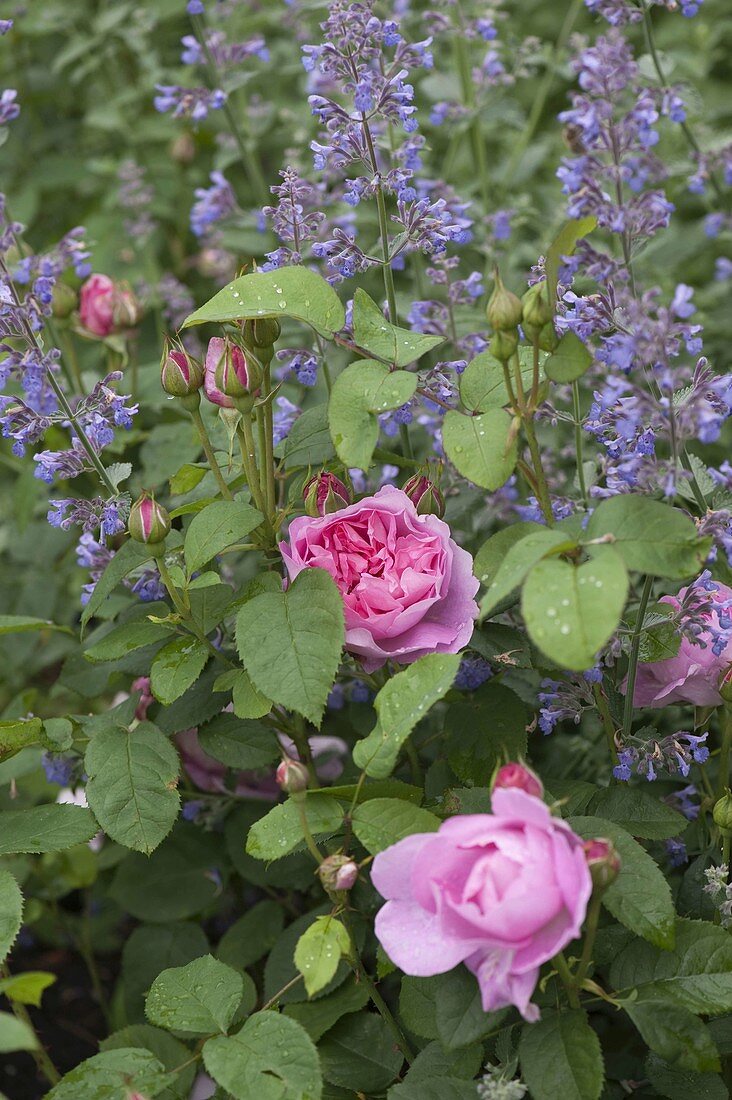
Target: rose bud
{"points": [[722, 813], [425, 496], [325, 493], [265, 332], [126, 308], [503, 345], [504, 309], [338, 873], [292, 776], [516, 775], [214, 353], [180, 374], [548, 338], [236, 375], [64, 300], [96, 305], [149, 522], [536, 310], [603, 861]]}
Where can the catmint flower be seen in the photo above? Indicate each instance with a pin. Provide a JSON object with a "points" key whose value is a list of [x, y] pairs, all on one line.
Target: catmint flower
{"points": [[673, 754], [9, 109], [193, 103], [213, 204], [496, 1084], [472, 672], [676, 852], [59, 768]]}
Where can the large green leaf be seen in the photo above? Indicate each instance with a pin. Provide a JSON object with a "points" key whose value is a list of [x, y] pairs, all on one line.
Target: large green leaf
{"points": [[130, 555], [571, 611], [290, 642], [319, 1015], [247, 745], [697, 973], [15, 1034], [20, 624], [150, 949], [639, 812], [217, 526], [375, 334], [569, 360], [359, 1054], [360, 394], [676, 1034], [381, 822], [403, 701], [201, 997], [482, 383], [319, 951], [650, 536], [308, 442], [640, 897], [482, 448], [459, 1013], [252, 936], [287, 292], [682, 1084], [168, 1050], [11, 912], [18, 733], [174, 882], [486, 728], [45, 829], [271, 1058], [176, 667], [504, 561], [280, 830], [126, 638], [113, 1075], [561, 1057], [133, 777]]}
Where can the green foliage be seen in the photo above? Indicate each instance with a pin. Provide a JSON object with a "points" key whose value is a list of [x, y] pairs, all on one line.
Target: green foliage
{"points": [[395, 345], [45, 829], [482, 448], [11, 911], [271, 1057], [176, 667], [280, 830], [569, 360], [560, 1056], [201, 997], [381, 822], [360, 394], [651, 537], [319, 951], [482, 385], [218, 526], [111, 1075]]}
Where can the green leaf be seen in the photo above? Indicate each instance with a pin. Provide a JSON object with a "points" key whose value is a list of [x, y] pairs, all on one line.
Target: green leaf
{"points": [[676, 1034], [171, 1052], [280, 830], [319, 951], [679, 1084], [418, 1006], [433, 1088], [697, 973], [45, 829], [176, 667], [27, 988], [359, 1054], [373, 333], [201, 997], [571, 611], [318, 1016], [561, 1057], [434, 1061], [20, 624], [17, 734], [252, 936], [638, 812], [308, 442], [113, 1075], [238, 743], [403, 702], [290, 642], [130, 555], [15, 1035], [650, 536], [360, 394], [504, 562], [294, 292], [209, 603], [482, 448], [174, 882], [486, 728], [482, 384], [640, 897], [460, 1017], [569, 360], [219, 525], [271, 1058], [150, 949], [11, 912], [125, 639], [381, 822], [132, 785], [187, 478], [564, 244]]}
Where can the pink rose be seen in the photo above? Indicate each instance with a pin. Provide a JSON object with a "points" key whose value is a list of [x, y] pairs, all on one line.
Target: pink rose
{"points": [[407, 587], [96, 305], [693, 675], [501, 892]]}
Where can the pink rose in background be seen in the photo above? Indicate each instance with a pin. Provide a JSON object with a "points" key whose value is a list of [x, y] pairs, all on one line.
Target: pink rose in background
{"points": [[693, 675], [501, 892], [407, 587], [96, 305]]}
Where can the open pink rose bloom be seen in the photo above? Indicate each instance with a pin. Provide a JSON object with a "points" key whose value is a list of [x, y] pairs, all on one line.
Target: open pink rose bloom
{"points": [[407, 587], [502, 892]]}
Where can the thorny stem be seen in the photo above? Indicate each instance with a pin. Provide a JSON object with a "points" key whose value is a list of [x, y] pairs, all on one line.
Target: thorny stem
{"points": [[42, 1060], [633, 659], [593, 917], [307, 835], [560, 965], [246, 445], [210, 456], [167, 580]]}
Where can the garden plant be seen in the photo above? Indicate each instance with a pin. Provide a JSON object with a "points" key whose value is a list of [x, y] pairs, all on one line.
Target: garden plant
{"points": [[365, 550]]}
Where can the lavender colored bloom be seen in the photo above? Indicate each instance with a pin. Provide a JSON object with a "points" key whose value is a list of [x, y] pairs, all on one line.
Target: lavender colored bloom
{"points": [[213, 204], [195, 7], [5, 26], [673, 754], [192, 103], [285, 416], [9, 109], [676, 852], [58, 767], [473, 672]]}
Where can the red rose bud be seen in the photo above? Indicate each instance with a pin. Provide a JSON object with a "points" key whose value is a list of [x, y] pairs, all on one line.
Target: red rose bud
{"points": [[180, 374], [504, 310], [516, 775], [236, 375], [603, 861], [725, 685], [425, 496], [325, 493], [338, 873], [292, 776], [149, 522]]}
